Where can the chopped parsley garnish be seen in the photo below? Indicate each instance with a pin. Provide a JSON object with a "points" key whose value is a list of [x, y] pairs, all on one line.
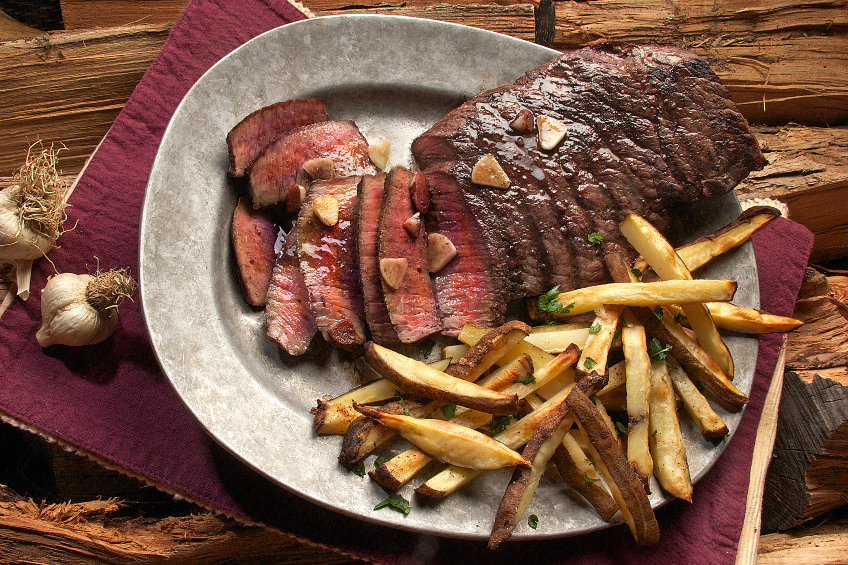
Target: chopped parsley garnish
{"points": [[636, 272], [533, 521], [402, 403], [656, 350], [395, 502], [548, 304], [382, 459], [655, 433], [589, 479], [498, 423], [528, 380], [449, 410], [622, 429], [429, 345], [589, 363], [658, 312], [595, 238], [357, 468], [616, 336], [595, 328], [679, 318]]}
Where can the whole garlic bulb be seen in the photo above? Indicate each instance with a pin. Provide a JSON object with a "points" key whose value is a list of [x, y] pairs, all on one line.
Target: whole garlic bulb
{"points": [[82, 309]]}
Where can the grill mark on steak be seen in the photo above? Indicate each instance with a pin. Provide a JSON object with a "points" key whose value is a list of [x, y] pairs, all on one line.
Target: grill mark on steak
{"points": [[329, 261], [288, 320], [411, 307], [370, 202], [280, 163], [468, 289], [646, 126], [249, 136]]}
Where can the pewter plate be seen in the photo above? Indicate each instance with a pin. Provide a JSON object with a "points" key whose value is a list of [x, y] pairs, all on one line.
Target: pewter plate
{"points": [[395, 77]]}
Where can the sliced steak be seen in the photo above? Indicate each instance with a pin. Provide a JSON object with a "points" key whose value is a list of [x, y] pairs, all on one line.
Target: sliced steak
{"points": [[257, 130], [371, 191], [288, 320], [280, 163], [329, 261], [646, 126], [253, 235], [411, 306]]}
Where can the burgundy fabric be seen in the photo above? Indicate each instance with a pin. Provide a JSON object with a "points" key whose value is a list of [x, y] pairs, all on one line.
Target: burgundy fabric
{"points": [[112, 400]]}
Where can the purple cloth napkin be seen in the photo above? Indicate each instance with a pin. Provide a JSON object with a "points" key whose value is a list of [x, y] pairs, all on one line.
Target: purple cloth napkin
{"points": [[112, 402]]}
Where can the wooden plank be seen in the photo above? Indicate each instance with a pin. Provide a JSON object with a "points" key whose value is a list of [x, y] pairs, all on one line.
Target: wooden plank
{"points": [[82, 14], [822, 544]]}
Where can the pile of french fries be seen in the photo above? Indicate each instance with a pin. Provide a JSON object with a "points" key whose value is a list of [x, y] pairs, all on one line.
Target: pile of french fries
{"points": [[548, 391]]}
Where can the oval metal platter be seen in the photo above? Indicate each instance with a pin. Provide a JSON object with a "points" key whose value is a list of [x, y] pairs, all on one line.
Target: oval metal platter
{"points": [[395, 77]]}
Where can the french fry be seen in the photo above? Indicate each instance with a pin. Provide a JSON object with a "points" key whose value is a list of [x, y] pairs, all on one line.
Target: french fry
{"points": [[454, 352], [616, 376], [621, 478], [667, 447], [332, 419], [585, 482], [488, 350], [470, 335], [600, 338], [740, 319], [711, 425], [556, 338], [660, 254], [701, 251], [638, 385], [644, 294]]}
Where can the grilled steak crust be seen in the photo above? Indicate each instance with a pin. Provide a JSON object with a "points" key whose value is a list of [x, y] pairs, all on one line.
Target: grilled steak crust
{"points": [[280, 163], [411, 306], [329, 261], [288, 320], [257, 130], [370, 202], [253, 235], [646, 126]]}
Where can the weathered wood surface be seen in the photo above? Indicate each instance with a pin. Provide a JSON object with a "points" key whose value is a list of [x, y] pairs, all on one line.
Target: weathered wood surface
{"points": [[819, 545]]}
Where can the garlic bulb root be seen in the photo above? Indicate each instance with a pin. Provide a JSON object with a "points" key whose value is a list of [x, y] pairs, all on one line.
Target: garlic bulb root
{"points": [[82, 309]]}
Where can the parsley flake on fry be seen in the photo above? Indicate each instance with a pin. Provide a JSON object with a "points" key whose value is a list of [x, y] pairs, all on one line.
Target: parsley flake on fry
{"points": [[589, 363], [622, 429], [547, 304], [402, 403], [595, 328], [528, 380], [395, 502], [533, 521], [498, 423], [658, 312], [636, 272], [589, 479], [449, 410], [656, 350]]}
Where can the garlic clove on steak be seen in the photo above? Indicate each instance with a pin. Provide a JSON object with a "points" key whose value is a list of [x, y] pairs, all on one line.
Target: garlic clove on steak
{"points": [[551, 132], [326, 209], [393, 271], [379, 153], [413, 224], [320, 168], [523, 122], [440, 252], [488, 172]]}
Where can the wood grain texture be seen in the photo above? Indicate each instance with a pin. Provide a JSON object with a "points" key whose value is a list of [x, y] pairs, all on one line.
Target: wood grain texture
{"points": [[822, 544], [82, 14]]}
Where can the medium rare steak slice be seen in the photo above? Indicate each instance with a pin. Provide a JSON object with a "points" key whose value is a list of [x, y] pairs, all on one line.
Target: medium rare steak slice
{"points": [[645, 126], [288, 320], [257, 130], [254, 236], [371, 191], [280, 163], [410, 303], [468, 289], [329, 261]]}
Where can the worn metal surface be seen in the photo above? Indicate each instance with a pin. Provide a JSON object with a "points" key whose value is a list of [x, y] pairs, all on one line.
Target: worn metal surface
{"points": [[252, 398]]}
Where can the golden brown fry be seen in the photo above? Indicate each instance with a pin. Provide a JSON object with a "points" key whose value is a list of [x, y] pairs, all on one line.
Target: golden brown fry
{"points": [[711, 425], [728, 316], [699, 252], [470, 335], [638, 369], [419, 379], [660, 254], [556, 338], [449, 442], [667, 447], [332, 419], [364, 435], [454, 353], [589, 487], [599, 341], [379, 390], [488, 350], [622, 479]]}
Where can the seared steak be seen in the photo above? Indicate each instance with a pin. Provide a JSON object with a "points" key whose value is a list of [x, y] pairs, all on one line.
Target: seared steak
{"points": [[280, 163], [329, 262], [411, 306], [288, 320], [257, 130], [371, 191], [254, 236], [646, 126]]}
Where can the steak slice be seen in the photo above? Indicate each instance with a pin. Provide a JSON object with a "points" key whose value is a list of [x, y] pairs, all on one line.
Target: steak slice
{"points": [[371, 191], [258, 129], [280, 163], [329, 261], [411, 306], [646, 126], [288, 320], [254, 236]]}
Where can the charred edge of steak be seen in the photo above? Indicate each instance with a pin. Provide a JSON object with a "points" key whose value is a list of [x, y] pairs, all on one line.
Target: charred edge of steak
{"points": [[254, 132], [412, 307]]}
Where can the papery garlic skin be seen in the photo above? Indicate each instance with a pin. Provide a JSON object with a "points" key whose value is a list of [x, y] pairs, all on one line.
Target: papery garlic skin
{"points": [[67, 318], [17, 241]]}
